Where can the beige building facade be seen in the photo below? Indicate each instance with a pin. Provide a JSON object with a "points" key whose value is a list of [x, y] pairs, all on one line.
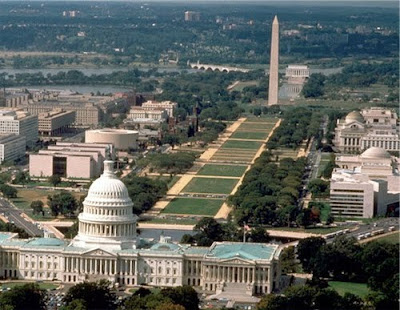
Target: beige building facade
{"points": [[120, 138], [169, 106], [86, 115], [69, 160], [372, 127], [55, 122], [21, 123], [141, 112]]}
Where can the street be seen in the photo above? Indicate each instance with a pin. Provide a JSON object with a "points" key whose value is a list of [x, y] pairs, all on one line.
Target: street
{"points": [[14, 216]]}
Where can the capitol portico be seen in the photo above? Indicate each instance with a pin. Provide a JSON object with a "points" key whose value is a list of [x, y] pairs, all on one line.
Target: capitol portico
{"points": [[107, 247]]}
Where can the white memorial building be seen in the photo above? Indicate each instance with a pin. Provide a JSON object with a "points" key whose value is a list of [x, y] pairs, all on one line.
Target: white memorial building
{"points": [[107, 247]]}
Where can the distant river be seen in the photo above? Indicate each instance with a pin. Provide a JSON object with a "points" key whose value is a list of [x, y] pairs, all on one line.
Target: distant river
{"points": [[110, 88], [90, 71]]}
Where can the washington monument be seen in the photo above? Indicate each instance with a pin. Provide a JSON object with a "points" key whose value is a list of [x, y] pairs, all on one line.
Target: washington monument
{"points": [[274, 64]]}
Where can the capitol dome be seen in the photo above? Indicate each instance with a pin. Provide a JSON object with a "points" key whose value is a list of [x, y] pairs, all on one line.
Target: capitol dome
{"points": [[108, 189], [354, 116], [375, 153], [107, 220]]}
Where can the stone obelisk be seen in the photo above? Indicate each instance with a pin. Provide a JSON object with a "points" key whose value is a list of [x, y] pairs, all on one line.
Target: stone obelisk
{"points": [[274, 64]]}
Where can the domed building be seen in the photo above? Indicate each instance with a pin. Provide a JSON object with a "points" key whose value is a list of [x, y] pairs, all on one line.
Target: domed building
{"points": [[354, 117], [372, 127], [365, 185], [107, 219], [107, 247]]}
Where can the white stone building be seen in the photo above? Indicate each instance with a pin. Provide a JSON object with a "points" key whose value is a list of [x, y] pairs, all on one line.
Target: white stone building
{"points": [[121, 139], [169, 106], [364, 185], [141, 112], [20, 123], [373, 127], [107, 247]]}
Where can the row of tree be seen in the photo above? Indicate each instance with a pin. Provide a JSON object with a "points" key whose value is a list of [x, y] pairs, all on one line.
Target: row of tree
{"points": [[269, 192], [100, 296], [209, 230], [375, 263], [171, 163], [298, 124], [353, 76], [310, 297]]}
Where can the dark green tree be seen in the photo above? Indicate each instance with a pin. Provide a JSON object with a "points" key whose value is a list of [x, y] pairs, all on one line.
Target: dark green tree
{"points": [[24, 297], [37, 206], [8, 191], [62, 203], [307, 251], [55, 180], [94, 295]]}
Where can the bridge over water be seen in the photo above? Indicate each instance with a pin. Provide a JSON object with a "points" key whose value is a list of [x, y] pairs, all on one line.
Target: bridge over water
{"points": [[211, 67]]}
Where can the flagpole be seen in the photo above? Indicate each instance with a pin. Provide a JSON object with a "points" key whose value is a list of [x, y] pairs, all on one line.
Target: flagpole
{"points": [[244, 233]]}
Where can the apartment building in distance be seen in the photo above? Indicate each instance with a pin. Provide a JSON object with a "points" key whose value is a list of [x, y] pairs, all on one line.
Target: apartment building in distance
{"points": [[12, 147], [69, 160], [21, 123], [372, 127], [365, 185], [55, 122]]}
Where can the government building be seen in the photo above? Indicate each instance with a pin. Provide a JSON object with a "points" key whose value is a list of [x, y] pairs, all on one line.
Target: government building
{"points": [[372, 127], [365, 185], [107, 247]]}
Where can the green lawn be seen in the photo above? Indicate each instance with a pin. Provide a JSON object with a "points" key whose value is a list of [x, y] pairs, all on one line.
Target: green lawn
{"points": [[44, 286], [393, 238], [25, 196], [210, 185], [359, 289], [250, 135], [194, 206], [255, 126], [223, 170], [233, 144]]}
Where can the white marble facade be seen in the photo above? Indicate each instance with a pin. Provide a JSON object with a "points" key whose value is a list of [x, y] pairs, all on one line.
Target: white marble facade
{"points": [[107, 247]]}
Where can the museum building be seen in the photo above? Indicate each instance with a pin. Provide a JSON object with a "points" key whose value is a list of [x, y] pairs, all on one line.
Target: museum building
{"points": [[107, 247]]}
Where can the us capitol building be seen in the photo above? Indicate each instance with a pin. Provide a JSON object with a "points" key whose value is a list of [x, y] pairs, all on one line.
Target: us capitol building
{"points": [[107, 247]]}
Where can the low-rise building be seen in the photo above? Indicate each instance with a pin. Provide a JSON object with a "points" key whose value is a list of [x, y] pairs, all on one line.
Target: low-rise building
{"points": [[121, 139], [55, 122], [169, 106], [153, 113], [69, 160], [12, 147], [21, 123], [86, 115]]}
